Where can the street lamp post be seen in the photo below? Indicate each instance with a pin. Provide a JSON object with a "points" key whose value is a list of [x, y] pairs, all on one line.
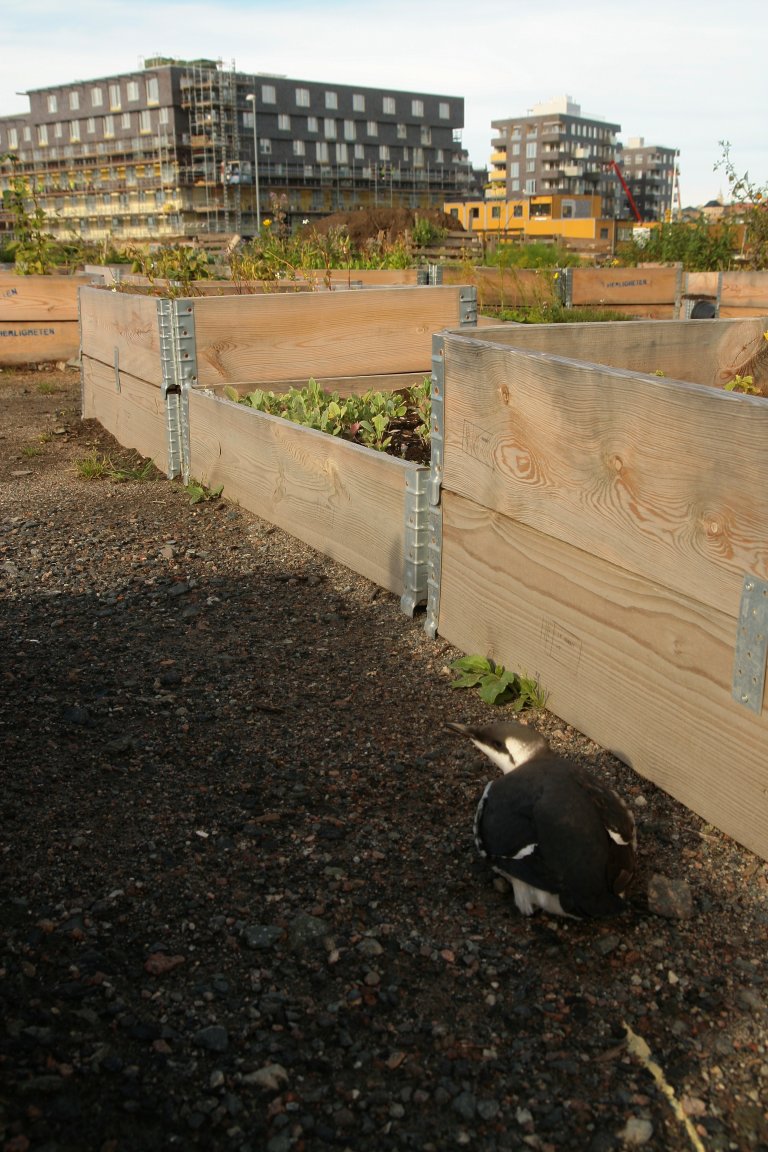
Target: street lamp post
{"points": [[251, 98]]}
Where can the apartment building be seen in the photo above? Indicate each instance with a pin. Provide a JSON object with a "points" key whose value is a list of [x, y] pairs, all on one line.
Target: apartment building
{"points": [[651, 174], [188, 148]]}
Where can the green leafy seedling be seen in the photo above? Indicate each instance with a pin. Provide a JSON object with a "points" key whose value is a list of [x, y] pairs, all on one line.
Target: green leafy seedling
{"points": [[199, 494], [744, 384], [497, 685]]}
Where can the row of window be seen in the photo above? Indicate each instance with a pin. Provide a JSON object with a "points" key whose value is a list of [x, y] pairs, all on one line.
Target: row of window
{"points": [[114, 93], [588, 131], [332, 127], [389, 104], [73, 129], [343, 153]]}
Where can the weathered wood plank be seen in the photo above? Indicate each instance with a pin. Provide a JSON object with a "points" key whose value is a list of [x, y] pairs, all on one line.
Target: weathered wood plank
{"points": [[320, 334], [609, 286], [643, 671], [135, 415], [38, 341], [124, 321], [665, 479], [345, 501], [745, 290], [710, 352], [344, 385]]}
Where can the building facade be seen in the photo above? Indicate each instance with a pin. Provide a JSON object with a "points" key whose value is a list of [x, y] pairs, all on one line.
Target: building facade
{"points": [[574, 222], [554, 149], [651, 173], [188, 148]]}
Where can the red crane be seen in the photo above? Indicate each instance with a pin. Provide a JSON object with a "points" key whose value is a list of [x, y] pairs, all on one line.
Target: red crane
{"points": [[625, 186]]}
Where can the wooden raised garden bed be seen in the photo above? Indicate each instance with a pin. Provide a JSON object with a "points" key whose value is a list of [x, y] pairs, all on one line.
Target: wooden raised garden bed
{"points": [[38, 318], [154, 371], [607, 530]]}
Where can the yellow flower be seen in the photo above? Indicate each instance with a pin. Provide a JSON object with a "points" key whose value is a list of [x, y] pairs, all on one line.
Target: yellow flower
{"points": [[267, 223]]}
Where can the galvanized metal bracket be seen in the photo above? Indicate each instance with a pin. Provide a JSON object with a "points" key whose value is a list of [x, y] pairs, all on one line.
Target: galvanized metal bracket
{"points": [[415, 540], [564, 285], [438, 417], [434, 566], [118, 386], [751, 645], [178, 358], [468, 305]]}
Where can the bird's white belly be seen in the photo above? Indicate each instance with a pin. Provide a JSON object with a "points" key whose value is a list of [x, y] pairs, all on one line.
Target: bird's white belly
{"points": [[528, 898]]}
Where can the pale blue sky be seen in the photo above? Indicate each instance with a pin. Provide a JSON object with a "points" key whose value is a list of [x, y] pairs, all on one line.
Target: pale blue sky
{"points": [[684, 75]]}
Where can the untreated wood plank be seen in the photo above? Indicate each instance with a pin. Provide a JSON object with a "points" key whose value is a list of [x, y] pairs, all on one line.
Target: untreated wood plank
{"points": [[507, 287], [38, 298], [346, 501], [320, 334], [701, 352], [38, 341], [344, 385], [665, 479], [124, 321], [135, 415], [745, 290], [609, 286], [643, 671]]}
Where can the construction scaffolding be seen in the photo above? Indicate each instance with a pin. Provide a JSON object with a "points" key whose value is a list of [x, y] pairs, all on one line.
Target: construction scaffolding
{"points": [[209, 95]]}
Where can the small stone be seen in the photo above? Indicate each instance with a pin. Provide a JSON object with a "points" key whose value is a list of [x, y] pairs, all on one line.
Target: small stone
{"points": [[636, 1132], [261, 935], [670, 898], [271, 1077], [466, 1105], [158, 963], [214, 1038], [306, 930]]}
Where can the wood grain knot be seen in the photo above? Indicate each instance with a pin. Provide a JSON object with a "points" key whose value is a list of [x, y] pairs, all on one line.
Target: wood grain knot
{"points": [[616, 463], [504, 393]]}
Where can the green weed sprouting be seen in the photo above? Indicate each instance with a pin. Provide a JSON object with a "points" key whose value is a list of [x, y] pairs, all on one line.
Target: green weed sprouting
{"points": [[497, 685]]}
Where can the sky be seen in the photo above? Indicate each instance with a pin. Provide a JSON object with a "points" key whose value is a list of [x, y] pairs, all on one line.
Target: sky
{"points": [[683, 75]]}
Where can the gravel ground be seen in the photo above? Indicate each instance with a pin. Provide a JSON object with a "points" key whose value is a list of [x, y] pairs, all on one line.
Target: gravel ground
{"points": [[241, 905]]}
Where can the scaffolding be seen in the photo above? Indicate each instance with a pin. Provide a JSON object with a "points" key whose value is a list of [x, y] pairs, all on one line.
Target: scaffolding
{"points": [[209, 95]]}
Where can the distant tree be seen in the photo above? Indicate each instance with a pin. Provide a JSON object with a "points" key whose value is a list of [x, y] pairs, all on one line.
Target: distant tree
{"points": [[754, 200]]}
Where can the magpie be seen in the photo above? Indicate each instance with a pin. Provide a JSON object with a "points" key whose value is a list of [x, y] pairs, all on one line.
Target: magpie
{"points": [[565, 841]]}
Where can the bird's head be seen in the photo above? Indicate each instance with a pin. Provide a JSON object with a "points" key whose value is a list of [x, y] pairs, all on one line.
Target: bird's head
{"points": [[508, 744]]}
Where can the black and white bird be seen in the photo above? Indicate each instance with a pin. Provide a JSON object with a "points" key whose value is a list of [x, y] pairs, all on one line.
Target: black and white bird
{"points": [[565, 841]]}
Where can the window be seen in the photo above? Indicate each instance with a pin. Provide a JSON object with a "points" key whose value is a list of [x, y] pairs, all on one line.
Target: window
{"points": [[321, 152], [53, 104], [383, 152], [417, 107], [358, 102], [302, 97], [444, 110], [27, 134], [153, 90], [284, 122], [299, 148], [109, 125], [164, 116], [265, 146], [372, 128], [91, 125], [418, 157], [426, 134], [517, 210], [342, 154], [514, 185], [514, 170], [331, 100], [530, 150], [530, 165], [268, 94], [440, 156], [312, 124], [97, 97], [114, 96], [495, 212], [350, 130], [13, 138], [402, 131], [132, 91], [145, 121], [388, 106], [329, 128], [74, 101], [125, 120], [359, 152], [57, 129], [74, 130], [42, 134], [474, 213], [530, 187], [309, 171]]}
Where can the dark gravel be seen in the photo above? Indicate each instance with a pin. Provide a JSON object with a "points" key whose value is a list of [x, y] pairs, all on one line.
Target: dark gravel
{"points": [[241, 907]]}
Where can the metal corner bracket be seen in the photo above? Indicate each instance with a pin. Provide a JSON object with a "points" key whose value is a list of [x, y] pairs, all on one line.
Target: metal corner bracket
{"points": [[178, 358], [749, 663], [415, 539]]}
